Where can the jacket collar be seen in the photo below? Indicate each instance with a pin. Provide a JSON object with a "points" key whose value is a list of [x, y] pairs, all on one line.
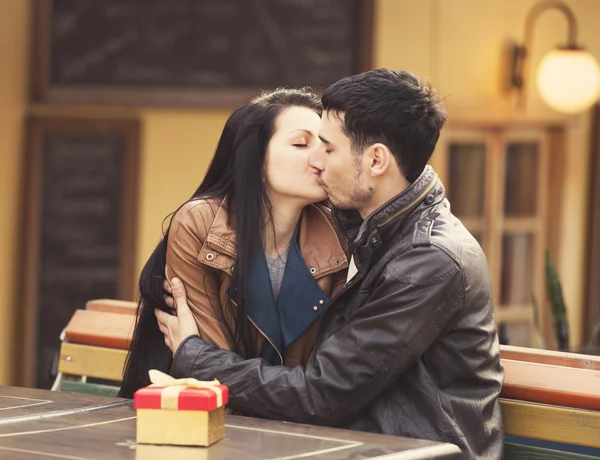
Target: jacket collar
{"points": [[368, 234], [320, 245], [300, 303]]}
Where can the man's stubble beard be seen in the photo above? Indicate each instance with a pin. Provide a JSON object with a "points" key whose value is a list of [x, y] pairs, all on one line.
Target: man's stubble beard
{"points": [[358, 197]]}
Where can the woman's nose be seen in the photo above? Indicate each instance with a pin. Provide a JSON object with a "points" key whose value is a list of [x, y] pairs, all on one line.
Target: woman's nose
{"points": [[316, 159]]}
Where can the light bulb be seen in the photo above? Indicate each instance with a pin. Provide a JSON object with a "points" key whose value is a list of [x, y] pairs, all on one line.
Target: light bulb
{"points": [[569, 80]]}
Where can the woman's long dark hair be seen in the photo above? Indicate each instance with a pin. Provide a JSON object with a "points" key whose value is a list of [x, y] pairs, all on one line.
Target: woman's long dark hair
{"points": [[236, 172]]}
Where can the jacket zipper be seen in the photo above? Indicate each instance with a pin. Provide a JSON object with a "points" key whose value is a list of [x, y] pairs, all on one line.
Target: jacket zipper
{"points": [[219, 250], [356, 277], [266, 337], [333, 270]]}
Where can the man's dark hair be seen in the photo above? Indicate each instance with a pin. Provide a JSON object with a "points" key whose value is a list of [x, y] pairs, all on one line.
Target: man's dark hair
{"points": [[397, 109]]}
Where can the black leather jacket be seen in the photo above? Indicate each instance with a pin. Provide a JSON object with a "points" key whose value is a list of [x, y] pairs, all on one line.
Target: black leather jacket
{"points": [[409, 347]]}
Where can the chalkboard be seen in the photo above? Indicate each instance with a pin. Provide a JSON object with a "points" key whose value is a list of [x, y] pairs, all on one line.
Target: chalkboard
{"points": [[80, 226], [206, 52]]}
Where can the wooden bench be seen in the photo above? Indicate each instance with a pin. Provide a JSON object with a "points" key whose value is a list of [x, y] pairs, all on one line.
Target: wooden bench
{"points": [[550, 400], [551, 404], [556, 358], [94, 346], [122, 307], [549, 384]]}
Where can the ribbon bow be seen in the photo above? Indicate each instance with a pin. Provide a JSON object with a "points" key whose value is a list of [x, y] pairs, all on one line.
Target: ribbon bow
{"points": [[159, 378], [170, 395]]}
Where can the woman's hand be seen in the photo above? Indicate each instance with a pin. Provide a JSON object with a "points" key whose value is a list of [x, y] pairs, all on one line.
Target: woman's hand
{"points": [[176, 328]]}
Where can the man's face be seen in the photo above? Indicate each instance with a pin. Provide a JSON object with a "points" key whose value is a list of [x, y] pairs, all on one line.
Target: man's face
{"points": [[342, 172]]}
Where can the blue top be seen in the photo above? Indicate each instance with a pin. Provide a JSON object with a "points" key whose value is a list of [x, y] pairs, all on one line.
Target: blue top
{"points": [[283, 320]]}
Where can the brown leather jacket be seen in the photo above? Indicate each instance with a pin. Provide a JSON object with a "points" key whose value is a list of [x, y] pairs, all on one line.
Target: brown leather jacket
{"points": [[201, 252]]}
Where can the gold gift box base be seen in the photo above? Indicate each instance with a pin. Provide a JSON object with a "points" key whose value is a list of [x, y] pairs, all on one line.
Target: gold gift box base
{"points": [[180, 427]]}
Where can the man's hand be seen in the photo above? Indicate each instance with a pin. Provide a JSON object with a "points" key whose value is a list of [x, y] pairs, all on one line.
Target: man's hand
{"points": [[178, 327]]}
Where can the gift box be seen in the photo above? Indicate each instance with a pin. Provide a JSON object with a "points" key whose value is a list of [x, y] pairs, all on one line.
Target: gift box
{"points": [[184, 412]]}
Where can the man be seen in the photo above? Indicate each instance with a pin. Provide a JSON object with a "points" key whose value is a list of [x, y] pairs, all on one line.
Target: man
{"points": [[409, 347]]}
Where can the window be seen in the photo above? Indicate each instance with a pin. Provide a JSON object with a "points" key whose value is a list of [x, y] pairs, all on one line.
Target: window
{"points": [[497, 181]]}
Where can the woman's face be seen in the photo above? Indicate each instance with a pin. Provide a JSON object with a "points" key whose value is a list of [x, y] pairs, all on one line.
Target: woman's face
{"points": [[288, 174]]}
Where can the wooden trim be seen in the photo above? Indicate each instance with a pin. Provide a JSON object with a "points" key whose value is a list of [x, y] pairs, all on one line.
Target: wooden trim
{"points": [[486, 110], [129, 208], [522, 225], [474, 224], [144, 96], [30, 248], [554, 209], [514, 313], [101, 329], [518, 451], [495, 172], [467, 133], [95, 362], [555, 358], [123, 307], [364, 39], [37, 129], [541, 242], [556, 177], [522, 133], [592, 304], [548, 384], [551, 423], [41, 40], [42, 91], [439, 159]]}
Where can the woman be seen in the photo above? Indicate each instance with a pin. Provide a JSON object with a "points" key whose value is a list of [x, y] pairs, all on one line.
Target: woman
{"points": [[259, 259]]}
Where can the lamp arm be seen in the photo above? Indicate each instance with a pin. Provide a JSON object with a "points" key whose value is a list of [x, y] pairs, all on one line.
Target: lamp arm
{"points": [[521, 60], [538, 9]]}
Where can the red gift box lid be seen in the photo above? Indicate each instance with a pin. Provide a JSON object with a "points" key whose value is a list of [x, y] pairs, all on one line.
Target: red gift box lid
{"points": [[202, 399]]}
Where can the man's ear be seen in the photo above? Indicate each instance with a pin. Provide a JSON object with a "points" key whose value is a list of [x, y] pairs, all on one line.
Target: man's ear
{"points": [[379, 159]]}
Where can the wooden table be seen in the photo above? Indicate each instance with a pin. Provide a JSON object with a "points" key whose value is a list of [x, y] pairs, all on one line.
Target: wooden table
{"points": [[17, 403], [79, 427]]}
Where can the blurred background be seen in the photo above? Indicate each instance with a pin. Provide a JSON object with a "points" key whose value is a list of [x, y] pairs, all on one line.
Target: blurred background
{"points": [[110, 112]]}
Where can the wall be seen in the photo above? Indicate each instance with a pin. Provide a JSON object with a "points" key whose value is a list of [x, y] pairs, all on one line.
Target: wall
{"points": [[177, 147], [456, 43]]}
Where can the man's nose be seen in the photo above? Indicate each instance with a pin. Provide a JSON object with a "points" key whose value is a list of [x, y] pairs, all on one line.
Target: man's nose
{"points": [[316, 159]]}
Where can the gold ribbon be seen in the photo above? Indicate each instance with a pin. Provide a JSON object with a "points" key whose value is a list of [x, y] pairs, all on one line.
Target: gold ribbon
{"points": [[170, 395]]}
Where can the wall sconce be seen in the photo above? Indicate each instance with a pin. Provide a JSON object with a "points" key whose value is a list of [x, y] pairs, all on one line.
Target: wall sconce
{"points": [[568, 78]]}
